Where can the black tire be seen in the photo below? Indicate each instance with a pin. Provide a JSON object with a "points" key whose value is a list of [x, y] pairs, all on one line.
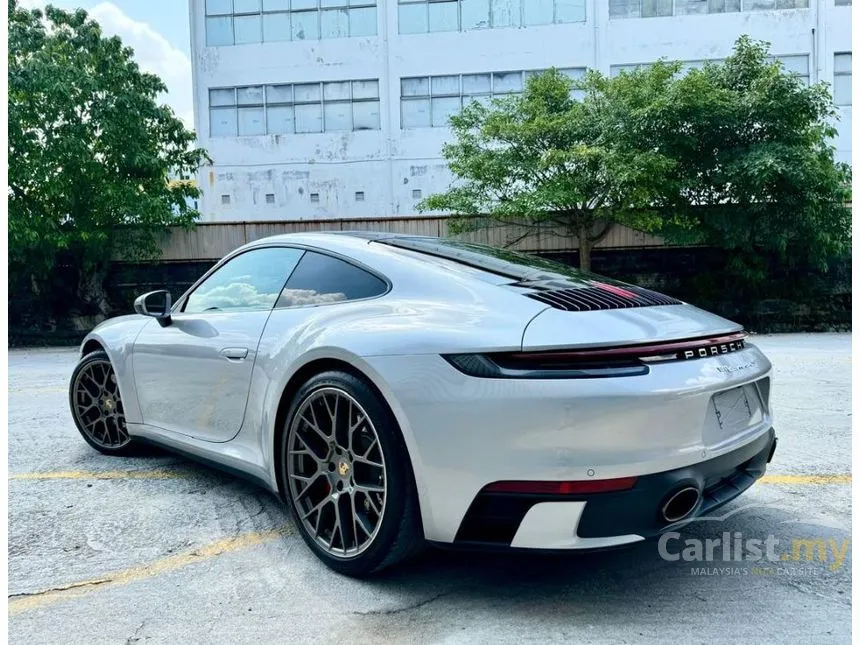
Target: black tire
{"points": [[115, 439], [399, 533]]}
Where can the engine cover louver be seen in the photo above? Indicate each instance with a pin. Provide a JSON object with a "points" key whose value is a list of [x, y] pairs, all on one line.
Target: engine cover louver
{"points": [[601, 296]]}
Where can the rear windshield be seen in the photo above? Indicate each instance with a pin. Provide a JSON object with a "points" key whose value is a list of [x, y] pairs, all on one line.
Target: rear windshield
{"points": [[517, 266]]}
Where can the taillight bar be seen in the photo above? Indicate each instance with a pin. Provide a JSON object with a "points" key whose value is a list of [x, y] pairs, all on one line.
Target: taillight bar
{"points": [[640, 351], [562, 488], [594, 362]]}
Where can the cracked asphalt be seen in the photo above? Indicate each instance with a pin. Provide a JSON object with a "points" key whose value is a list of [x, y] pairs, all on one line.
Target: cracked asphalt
{"points": [[160, 550]]}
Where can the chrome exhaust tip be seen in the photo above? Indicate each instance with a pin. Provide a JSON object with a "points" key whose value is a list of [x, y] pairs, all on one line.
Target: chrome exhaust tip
{"points": [[681, 504]]}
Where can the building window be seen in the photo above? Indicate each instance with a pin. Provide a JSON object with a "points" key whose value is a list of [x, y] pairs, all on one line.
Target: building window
{"points": [[270, 198], [225, 200], [797, 65], [843, 3], [294, 108], [416, 193], [658, 8], [842, 79], [423, 16], [359, 196], [615, 70], [222, 113], [431, 101], [251, 111], [766, 5], [240, 22], [698, 7], [315, 198], [639, 8]]}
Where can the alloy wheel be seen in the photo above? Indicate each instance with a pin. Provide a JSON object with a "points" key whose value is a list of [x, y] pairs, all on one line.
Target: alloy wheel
{"points": [[336, 471], [98, 405]]}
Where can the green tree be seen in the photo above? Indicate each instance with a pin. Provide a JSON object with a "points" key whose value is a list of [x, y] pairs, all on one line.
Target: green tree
{"points": [[91, 152], [736, 155], [757, 170], [546, 160]]}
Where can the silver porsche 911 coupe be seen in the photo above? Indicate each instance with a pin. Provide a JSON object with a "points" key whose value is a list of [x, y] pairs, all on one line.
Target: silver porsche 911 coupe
{"points": [[398, 390]]}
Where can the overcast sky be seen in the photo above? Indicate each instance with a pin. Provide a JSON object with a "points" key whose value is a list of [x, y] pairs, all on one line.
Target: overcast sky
{"points": [[157, 30]]}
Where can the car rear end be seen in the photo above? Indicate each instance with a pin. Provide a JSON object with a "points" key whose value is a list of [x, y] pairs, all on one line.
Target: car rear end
{"points": [[620, 413]]}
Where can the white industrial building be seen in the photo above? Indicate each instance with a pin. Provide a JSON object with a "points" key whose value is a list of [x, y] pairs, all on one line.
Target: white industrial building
{"points": [[338, 108]]}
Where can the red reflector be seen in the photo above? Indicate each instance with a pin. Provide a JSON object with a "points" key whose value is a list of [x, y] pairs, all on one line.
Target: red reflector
{"points": [[562, 488]]}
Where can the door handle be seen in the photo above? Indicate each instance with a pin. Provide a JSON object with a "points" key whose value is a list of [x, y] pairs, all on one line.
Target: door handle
{"points": [[234, 353]]}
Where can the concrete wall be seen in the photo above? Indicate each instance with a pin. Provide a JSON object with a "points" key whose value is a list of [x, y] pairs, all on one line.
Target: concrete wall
{"points": [[389, 164]]}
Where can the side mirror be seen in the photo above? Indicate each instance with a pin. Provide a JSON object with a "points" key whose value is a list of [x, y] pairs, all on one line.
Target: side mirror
{"points": [[155, 304]]}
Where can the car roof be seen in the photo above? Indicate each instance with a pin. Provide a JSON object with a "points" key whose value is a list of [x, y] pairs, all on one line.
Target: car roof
{"points": [[359, 246], [333, 235], [417, 254], [344, 241]]}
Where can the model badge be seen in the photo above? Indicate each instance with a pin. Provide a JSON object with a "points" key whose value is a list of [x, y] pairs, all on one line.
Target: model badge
{"points": [[731, 369]]}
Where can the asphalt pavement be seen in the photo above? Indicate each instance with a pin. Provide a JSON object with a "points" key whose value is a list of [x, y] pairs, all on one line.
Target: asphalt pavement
{"points": [[160, 550]]}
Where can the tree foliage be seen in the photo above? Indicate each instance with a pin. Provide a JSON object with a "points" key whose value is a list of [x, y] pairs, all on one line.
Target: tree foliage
{"points": [[545, 159], [91, 150], [734, 155], [757, 164]]}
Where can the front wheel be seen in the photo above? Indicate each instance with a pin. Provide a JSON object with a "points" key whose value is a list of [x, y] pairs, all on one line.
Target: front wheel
{"points": [[347, 476], [97, 407]]}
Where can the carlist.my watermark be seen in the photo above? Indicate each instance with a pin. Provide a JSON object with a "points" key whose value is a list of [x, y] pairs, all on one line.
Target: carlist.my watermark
{"points": [[735, 554], [769, 556]]}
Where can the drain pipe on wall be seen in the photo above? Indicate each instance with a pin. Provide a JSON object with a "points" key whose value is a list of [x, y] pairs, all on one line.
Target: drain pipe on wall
{"points": [[596, 20], [385, 91], [814, 63]]}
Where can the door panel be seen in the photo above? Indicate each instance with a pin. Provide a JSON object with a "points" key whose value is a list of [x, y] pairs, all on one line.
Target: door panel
{"points": [[193, 376]]}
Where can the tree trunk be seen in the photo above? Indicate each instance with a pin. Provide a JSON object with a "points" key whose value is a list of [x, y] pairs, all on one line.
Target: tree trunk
{"points": [[585, 245], [91, 292]]}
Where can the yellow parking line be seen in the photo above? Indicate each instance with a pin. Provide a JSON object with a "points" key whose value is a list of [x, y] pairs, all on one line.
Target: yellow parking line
{"points": [[26, 602], [22, 603], [105, 474], [806, 479]]}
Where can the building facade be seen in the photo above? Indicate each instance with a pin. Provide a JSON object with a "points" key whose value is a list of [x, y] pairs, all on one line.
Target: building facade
{"points": [[318, 109]]}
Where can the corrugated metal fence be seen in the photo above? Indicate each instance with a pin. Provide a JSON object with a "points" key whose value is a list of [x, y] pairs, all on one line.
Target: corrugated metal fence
{"points": [[211, 241]]}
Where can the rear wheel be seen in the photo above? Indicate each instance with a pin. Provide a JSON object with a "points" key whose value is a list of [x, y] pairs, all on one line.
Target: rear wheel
{"points": [[347, 476], [97, 406]]}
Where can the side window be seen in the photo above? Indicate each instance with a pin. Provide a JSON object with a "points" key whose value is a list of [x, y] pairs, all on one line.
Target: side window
{"points": [[321, 279], [248, 282]]}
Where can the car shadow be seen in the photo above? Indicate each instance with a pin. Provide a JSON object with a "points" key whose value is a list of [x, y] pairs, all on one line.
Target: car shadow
{"points": [[581, 581]]}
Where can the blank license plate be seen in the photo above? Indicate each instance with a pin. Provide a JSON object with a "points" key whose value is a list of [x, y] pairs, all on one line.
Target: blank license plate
{"points": [[734, 410]]}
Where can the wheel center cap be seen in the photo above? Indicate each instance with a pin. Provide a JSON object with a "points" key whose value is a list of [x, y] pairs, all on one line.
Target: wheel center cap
{"points": [[108, 403], [343, 469]]}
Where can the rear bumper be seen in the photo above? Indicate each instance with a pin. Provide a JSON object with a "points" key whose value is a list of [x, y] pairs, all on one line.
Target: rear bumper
{"points": [[463, 433], [603, 520]]}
